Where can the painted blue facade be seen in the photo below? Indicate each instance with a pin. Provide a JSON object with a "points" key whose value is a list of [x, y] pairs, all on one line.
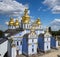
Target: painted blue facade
{"points": [[25, 45], [41, 42], [53, 42]]}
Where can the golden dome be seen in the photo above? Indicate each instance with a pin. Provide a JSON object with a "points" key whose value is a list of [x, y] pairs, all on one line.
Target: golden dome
{"points": [[38, 22], [16, 23], [26, 17], [11, 22]]}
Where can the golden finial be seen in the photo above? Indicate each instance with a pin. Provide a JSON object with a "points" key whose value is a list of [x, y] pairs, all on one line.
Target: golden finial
{"points": [[16, 23], [26, 11], [26, 17], [11, 22]]}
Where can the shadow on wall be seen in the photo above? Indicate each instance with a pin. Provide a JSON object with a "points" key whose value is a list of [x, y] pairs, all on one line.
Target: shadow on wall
{"points": [[6, 54], [58, 55]]}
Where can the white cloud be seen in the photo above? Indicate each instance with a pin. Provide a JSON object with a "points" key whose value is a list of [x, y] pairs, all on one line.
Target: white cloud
{"points": [[56, 10], [54, 5], [55, 24], [12, 7]]}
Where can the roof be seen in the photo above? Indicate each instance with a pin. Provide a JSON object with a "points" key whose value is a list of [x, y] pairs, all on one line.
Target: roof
{"points": [[41, 35], [13, 31], [26, 35], [2, 40]]}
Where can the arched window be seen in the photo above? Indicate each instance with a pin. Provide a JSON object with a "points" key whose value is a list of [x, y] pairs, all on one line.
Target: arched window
{"points": [[32, 49]]}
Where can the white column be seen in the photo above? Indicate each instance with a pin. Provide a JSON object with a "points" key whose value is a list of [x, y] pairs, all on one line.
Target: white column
{"points": [[35, 48], [56, 43], [29, 49], [19, 48], [13, 52], [19, 43]]}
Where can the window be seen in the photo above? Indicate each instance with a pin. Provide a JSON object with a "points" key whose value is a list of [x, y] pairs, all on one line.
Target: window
{"points": [[32, 50], [17, 43], [32, 40], [32, 45], [47, 47], [21, 42]]}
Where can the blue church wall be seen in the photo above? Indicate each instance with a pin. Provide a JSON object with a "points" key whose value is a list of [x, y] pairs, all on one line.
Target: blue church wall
{"points": [[25, 45], [53, 42], [41, 42]]}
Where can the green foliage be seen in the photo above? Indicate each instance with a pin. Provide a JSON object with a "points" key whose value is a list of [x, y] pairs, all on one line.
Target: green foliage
{"points": [[1, 34], [54, 33]]}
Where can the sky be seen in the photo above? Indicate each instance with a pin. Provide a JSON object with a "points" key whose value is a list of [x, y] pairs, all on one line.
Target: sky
{"points": [[47, 10]]}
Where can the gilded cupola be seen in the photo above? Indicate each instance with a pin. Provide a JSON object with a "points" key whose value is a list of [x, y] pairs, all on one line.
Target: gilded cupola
{"points": [[11, 22], [32, 28], [38, 22], [25, 17], [16, 23]]}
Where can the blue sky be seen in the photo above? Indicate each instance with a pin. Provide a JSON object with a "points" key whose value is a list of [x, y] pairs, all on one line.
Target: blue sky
{"points": [[47, 11]]}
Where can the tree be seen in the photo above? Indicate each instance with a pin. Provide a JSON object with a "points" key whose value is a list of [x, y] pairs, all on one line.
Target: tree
{"points": [[1, 34], [54, 33]]}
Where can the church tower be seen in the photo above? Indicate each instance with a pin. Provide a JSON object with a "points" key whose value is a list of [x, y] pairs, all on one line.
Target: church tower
{"points": [[44, 41], [38, 22], [47, 40], [25, 20], [39, 28]]}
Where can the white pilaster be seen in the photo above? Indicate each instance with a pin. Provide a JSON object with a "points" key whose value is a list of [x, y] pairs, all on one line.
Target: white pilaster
{"points": [[45, 46], [56, 43], [13, 51]]}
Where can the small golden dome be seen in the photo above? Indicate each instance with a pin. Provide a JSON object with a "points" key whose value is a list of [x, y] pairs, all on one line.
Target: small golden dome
{"points": [[33, 28], [26, 17], [38, 22], [11, 22], [16, 23]]}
